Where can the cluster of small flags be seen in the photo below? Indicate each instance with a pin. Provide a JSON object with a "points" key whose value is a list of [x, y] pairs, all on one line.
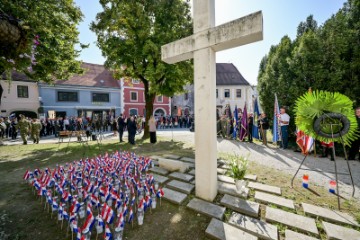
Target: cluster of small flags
{"points": [[115, 186]]}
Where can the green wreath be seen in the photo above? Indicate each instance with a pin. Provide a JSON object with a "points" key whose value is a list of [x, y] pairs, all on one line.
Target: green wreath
{"points": [[326, 116]]}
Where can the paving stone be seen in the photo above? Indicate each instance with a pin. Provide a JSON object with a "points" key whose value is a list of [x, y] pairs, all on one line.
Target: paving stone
{"points": [[225, 166], [291, 235], [241, 205], [181, 176], [251, 177], [173, 165], [159, 170], [265, 188], [176, 157], [254, 226], [174, 196], [329, 215], [192, 172], [154, 157], [222, 162], [155, 162], [181, 186], [207, 208], [227, 188], [221, 171], [338, 232], [269, 198], [191, 165], [302, 223], [226, 179], [186, 159], [160, 179], [223, 231]]}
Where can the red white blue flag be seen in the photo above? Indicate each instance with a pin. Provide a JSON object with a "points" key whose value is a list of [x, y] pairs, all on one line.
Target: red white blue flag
{"points": [[160, 193], [131, 215], [108, 234], [107, 214]]}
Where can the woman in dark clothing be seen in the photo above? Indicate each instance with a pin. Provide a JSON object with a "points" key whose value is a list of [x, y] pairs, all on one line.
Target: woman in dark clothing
{"points": [[152, 129], [131, 127]]}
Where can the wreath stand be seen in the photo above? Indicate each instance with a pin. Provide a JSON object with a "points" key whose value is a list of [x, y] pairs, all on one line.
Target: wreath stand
{"points": [[340, 134]]}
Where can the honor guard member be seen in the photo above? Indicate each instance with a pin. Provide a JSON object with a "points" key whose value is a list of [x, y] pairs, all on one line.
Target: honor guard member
{"points": [[24, 126], [224, 124], [35, 130]]}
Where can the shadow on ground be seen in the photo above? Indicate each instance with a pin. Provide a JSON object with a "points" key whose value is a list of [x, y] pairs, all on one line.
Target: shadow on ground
{"points": [[22, 216]]}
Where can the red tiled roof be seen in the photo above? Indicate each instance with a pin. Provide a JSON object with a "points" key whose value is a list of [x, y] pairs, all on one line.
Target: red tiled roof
{"points": [[94, 76]]}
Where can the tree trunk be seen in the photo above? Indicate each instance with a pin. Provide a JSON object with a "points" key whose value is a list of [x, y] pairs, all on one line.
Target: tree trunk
{"points": [[149, 108]]}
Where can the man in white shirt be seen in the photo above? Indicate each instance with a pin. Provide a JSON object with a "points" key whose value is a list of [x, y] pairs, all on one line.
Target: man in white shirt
{"points": [[284, 120]]}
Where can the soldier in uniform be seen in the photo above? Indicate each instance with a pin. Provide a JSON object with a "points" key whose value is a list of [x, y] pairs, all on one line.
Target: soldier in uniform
{"points": [[35, 130], [224, 124], [24, 126]]}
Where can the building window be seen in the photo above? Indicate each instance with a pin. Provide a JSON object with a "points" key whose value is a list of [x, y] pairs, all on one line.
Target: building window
{"points": [[67, 96], [22, 91], [100, 97], [159, 98], [238, 93], [217, 93], [186, 96], [227, 93], [135, 81], [133, 96], [133, 111]]}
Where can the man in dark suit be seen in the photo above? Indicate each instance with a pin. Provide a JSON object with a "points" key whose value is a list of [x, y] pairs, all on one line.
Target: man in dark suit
{"points": [[121, 126], [131, 127]]}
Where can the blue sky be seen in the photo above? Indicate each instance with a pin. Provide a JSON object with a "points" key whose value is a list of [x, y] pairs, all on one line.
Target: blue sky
{"points": [[281, 17]]}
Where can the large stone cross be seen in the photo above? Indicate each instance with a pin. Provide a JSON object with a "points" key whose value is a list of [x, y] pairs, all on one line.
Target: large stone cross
{"points": [[202, 45]]}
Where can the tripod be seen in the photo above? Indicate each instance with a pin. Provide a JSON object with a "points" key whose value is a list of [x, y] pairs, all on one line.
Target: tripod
{"points": [[335, 165]]}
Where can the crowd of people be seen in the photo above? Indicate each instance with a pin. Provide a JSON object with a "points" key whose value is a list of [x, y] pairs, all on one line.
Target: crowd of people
{"points": [[228, 129], [24, 126], [11, 127]]}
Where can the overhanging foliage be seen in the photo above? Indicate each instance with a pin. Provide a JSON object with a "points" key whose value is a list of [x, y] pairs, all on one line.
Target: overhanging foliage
{"points": [[53, 25]]}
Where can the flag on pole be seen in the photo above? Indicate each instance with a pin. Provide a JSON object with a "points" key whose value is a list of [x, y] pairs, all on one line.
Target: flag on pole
{"points": [[107, 213], [236, 120], [305, 142], [160, 193], [120, 222], [244, 125], [78, 236], [131, 215], [276, 125], [89, 222], [255, 130], [108, 234]]}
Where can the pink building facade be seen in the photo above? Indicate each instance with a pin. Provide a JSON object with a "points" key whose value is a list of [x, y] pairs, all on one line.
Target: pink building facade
{"points": [[133, 100]]}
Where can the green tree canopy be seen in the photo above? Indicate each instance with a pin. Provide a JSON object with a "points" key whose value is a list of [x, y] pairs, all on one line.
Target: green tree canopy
{"points": [[130, 34], [53, 24], [323, 57]]}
